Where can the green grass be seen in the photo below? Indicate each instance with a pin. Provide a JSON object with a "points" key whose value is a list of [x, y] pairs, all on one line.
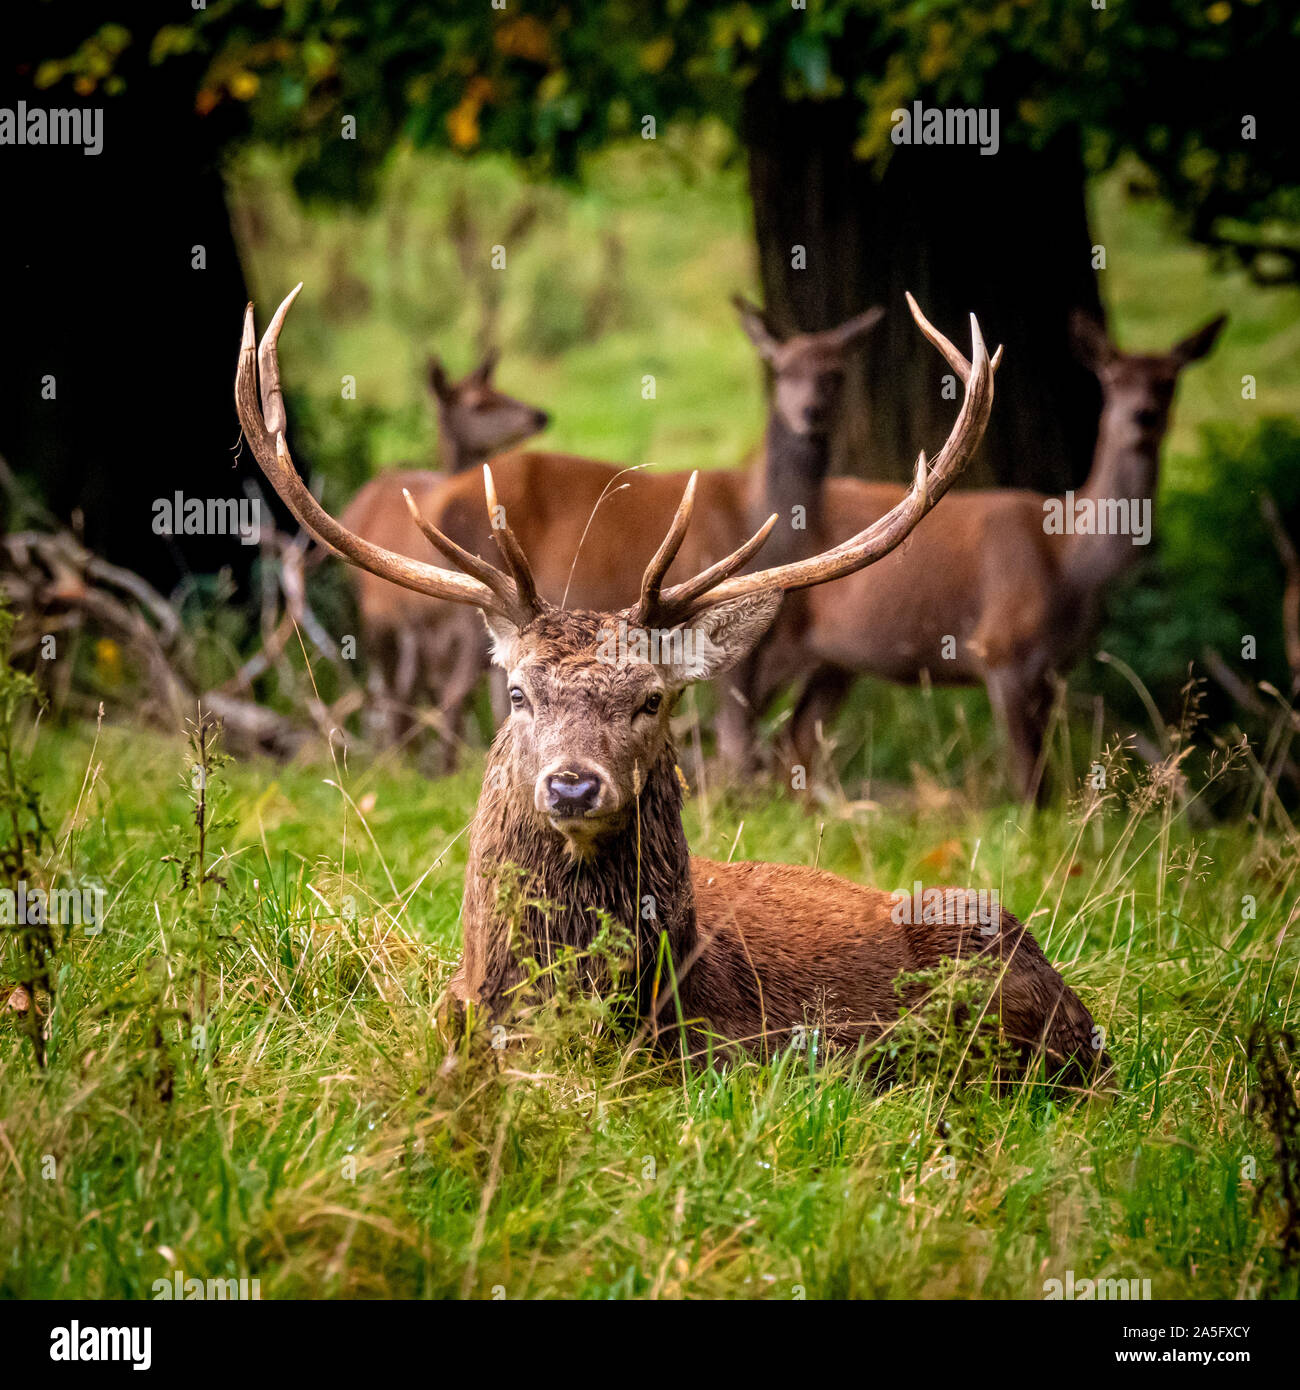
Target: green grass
{"points": [[250, 1081], [315, 1137]]}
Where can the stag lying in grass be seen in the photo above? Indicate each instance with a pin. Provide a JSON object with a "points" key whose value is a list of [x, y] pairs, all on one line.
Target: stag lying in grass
{"points": [[581, 796], [412, 658]]}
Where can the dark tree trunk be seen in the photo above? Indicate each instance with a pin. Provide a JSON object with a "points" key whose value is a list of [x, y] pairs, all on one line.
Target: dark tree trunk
{"points": [[1005, 236], [101, 296]]}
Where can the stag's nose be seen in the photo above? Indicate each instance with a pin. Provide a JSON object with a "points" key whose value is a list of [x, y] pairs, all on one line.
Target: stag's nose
{"points": [[540, 420], [571, 794]]}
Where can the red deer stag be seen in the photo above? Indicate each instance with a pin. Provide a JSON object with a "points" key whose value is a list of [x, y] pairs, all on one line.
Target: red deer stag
{"points": [[591, 526], [581, 796], [1005, 587], [410, 658]]}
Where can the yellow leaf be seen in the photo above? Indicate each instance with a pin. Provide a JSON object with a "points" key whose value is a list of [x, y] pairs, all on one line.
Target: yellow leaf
{"points": [[462, 124], [655, 55], [523, 37]]}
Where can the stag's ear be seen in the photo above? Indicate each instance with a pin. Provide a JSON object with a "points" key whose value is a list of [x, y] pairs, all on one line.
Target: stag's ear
{"points": [[1196, 346], [439, 381], [1088, 339], [756, 327], [503, 639], [716, 639], [848, 333], [482, 374]]}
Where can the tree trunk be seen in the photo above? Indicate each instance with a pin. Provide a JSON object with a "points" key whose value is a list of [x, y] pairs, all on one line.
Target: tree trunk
{"points": [[1003, 236], [119, 355]]}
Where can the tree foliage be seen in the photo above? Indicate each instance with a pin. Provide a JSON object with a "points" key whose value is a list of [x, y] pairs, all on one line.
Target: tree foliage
{"points": [[1194, 88]]}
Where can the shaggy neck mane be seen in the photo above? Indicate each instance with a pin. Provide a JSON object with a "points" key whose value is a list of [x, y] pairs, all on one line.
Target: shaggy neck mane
{"points": [[522, 876]]}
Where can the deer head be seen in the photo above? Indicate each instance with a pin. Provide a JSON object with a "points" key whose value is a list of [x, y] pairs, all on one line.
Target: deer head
{"points": [[807, 368], [1137, 391], [475, 420], [591, 693]]}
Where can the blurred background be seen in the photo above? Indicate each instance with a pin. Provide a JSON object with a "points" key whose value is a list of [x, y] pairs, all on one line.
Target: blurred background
{"points": [[639, 163]]}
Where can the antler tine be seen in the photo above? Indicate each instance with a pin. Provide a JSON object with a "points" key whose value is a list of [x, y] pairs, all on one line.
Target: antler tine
{"points": [[895, 526], [678, 601], [511, 551], [268, 366], [264, 420], [652, 580], [949, 350], [458, 555]]}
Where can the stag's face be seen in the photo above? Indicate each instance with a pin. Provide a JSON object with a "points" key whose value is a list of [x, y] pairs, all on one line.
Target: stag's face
{"points": [[591, 699], [482, 420]]}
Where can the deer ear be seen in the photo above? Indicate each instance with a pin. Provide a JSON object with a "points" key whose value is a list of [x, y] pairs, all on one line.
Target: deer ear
{"points": [[503, 639], [483, 372], [439, 382], [756, 327], [1089, 341], [857, 327], [1196, 346], [716, 639]]}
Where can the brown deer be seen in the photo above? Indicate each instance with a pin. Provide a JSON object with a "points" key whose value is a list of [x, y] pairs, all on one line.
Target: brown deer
{"points": [[591, 526], [581, 797], [410, 657], [1005, 588]]}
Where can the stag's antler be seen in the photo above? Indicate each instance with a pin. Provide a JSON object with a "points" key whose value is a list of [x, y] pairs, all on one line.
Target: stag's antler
{"points": [[668, 607], [513, 597]]}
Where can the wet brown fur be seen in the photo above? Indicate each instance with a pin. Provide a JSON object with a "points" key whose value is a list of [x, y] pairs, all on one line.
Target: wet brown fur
{"points": [[757, 949]]}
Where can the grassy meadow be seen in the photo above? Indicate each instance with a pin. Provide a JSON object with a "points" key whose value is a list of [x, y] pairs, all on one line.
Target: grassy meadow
{"points": [[245, 1072], [247, 1080]]}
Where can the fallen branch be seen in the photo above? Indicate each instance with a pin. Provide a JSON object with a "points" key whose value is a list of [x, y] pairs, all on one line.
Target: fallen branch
{"points": [[57, 585]]}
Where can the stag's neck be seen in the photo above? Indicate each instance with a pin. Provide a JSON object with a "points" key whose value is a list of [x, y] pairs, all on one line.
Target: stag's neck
{"points": [[1124, 471], [794, 469], [527, 896]]}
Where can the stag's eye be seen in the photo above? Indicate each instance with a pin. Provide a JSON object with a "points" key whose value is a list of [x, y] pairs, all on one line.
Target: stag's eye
{"points": [[517, 698], [652, 703]]}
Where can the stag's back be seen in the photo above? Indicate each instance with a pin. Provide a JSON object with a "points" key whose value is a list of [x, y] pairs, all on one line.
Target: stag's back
{"points": [[783, 945]]}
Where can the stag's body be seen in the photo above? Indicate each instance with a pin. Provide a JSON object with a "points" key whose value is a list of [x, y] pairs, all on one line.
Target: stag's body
{"points": [[756, 949], [581, 796]]}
